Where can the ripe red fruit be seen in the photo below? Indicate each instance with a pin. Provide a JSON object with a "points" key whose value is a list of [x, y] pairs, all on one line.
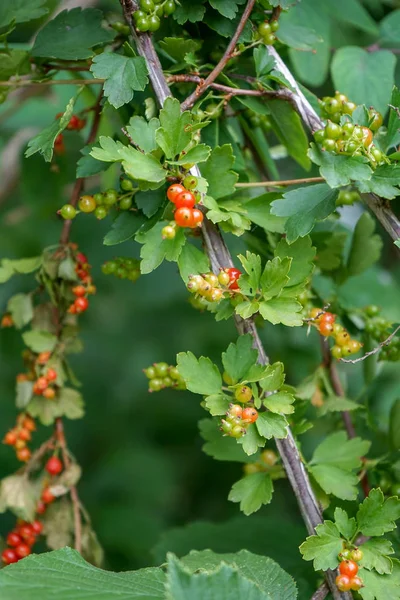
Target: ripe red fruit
{"points": [[9, 556], [184, 217], [73, 123], [174, 190], [47, 496], [41, 383], [356, 583], [79, 290], [29, 424], [54, 465], [13, 539], [23, 454], [197, 217], [328, 317], [249, 415], [26, 531], [81, 304], [235, 410], [24, 434], [81, 258], [348, 568], [43, 357], [37, 527], [325, 328], [22, 550], [343, 583], [41, 508], [49, 394], [51, 375], [185, 200], [82, 274], [10, 438], [234, 275]]}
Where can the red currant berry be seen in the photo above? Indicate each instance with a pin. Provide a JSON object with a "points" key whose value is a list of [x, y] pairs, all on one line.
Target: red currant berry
{"points": [[43, 357], [185, 200], [22, 550], [235, 410], [325, 329], [67, 211], [198, 217], [10, 438], [24, 434], [29, 424], [356, 583], [87, 204], [37, 527], [41, 508], [26, 531], [174, 190], [51, 375], [47, 496], [81, 258], [49, 393], [234, 275], [328, 317], [23, 454], [343, 583], [9, 556], [342, 338], [41, 383], [13, 539], [184, 217], [81, 304], [348, 568], [269, 458], [249, 415], [54, 466], [73, 122]]}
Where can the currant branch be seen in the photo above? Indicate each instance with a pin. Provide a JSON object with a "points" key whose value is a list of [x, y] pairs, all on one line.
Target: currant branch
{"points": [[375, 350], [220, 258], [231, 91]]}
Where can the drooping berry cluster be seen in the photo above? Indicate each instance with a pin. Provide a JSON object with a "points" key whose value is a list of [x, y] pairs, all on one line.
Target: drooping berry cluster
{"points": [[99, 204], [348, 578], [75, 124], [20, 541], [80, 292], [185, 215], [161, 375], [213, 287], [148, 18], [334, 107], [325, 323], [379, 329], [124, 268], [20, 435], [347, 197], [266, 31], [238, 418]]}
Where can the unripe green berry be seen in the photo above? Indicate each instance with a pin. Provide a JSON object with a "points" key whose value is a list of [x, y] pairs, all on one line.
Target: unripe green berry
{"points": [[243, 394], [100, 212], [87, 204], [168, 232], [125, 203], [150, 372], [190, 182], [155, 385], [98, 198], [67, 211], [274, 25], [169, 7], [126, 185], [110, 197], [154, 23], [161, 369]]}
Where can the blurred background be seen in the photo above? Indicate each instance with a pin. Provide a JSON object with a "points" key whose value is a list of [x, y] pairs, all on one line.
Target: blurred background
{"points": [[145, 477]]}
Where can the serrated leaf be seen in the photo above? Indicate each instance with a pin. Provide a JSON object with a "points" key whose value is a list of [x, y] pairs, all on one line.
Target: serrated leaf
{"points": [[155, 249], [58, 524], [24, 394], [68, 403], [20, 495], [337, 404], [174, 134], [336, 481], [371, 79], [281, 403], [339, 170], [323, 547], [381, 587], [365, 246], [201, 375], [87, 165], [39, 576], [177, 47], [252, 440], [66, 269], [264, 62], [21, 12], [252, 491], [21, 308], [143, 133], [39, 341], [192, 261], [346, 526], [392, 138], [14, 62], [338, 450], [72, 34], [271, 425], [247, 309], [258, 210], [198, 154], [239, 358], [123, 75], [217, 170], [302, 255], [282, 310], [297, 36], [273, 377], [217, 404], [192, 11], [376, 515], [383, 182], [250, 282], [218, 446], [330, 247], [304, 206], [376, 555], [123, 228], [275, 277]]}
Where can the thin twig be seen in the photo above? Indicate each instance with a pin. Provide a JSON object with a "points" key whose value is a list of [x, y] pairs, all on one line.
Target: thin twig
{"points": [[321, 592], [190, 100], [284, 182], [374, 351], [37, 455], [226, 89], [29, 82]]}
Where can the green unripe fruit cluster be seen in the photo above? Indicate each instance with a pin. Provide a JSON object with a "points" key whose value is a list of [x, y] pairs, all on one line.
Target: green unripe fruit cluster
{"points": [[147, 18], [123, 268], [333, 107], [347, 197], [206, 285], [266, 31], [162, 375]]}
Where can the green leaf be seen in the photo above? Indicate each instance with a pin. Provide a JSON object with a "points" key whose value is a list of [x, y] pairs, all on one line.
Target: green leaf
{"points": [[330, 247], [282, 310], [239, 358], [198, 154], [39, 341], [304, 206], [217, 404], [123, 75], [297, 36], [302, 255], [62, 571], [338, 450], [15, 62], [389, 29], [258, 210], [174, 134], [275, 277], [383, 182], [263, 571], [323, 547], [337, 404], [339, 170], [71, 35], [66, 269], [346, 526], [155, 249], [192, 261], [376, 556], [289, 129], [273, 377], [251, 441], [352, 11], [20, 495], [381, 587], [365, 246], [394, 425], [143, 133], [227, 8], [217, 170], [252, 491], [250, 282], [376, 515], [281, 402], [370, 79], [123, 228], [58, 524], [218, 446], [392, 138], [68, 403], [192, 11], [271, 425], [336, 481], [144, 167], [263, 61], [43, 142], [87, 165], [177, 47], [201, 376], [24, 394], [20, 11], [21, 308]]}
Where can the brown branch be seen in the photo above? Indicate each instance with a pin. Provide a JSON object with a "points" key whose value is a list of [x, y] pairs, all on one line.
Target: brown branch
{"points": [[220, 257], [374, 351], [231, 91], [284, 182], [190, 100], [321, 592], [37, 455], [73, 491], [29, 82]]}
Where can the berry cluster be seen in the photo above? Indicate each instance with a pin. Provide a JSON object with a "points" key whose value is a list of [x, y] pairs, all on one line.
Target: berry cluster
{"points": [[212, 287], [99, 204], [185, 214], [347, 197], [348, 568], [20, 541], [325, 322], [266, 31], [75, 124], [257, 120], [6, 321], [45, 384], [54, 467], [124, 268], [161, 375], [238, 418], [148, 17], [267, 460], [80, 292], [334, 107], [19, 435], [379, 329]]}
